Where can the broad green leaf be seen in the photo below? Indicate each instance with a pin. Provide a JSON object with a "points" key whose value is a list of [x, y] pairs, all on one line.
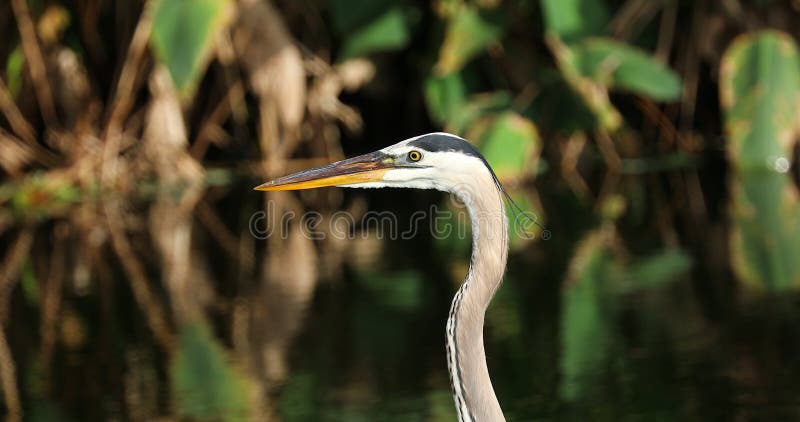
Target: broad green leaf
{"points": [[476, 107], [389, 31], [510, 144], [468, 34], [572, 20], [615, 65], [760, 95], [183, 34], [204, 384], [559, 107], [444, 95], [593, 93]]}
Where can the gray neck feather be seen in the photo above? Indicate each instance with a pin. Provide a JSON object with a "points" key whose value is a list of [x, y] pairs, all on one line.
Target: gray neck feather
{"points": [[474, 396]]}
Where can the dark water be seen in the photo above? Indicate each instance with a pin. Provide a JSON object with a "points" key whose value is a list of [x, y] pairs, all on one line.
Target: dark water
{"points": [[372, 345], [598, 323]]}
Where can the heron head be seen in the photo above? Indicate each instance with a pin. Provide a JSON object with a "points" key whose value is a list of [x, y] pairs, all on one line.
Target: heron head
{"points": [[433, 161]]}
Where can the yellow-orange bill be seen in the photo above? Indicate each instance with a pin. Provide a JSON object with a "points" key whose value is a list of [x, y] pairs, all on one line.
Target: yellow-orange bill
{"points": [[365, 168]]}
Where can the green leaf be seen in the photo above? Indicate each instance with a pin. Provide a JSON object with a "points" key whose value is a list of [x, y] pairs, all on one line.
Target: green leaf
{"points": [[444, 95], [572, 20], [559, 107], [476, 107], [510, 145], [615, 65], [593, 94], [468, 33], [389, 31], [204, 384], [183, 34], [760, 95]]}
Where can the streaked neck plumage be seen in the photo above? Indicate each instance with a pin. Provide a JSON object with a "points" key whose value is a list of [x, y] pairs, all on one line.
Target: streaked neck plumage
{"points": [[474, 396]]}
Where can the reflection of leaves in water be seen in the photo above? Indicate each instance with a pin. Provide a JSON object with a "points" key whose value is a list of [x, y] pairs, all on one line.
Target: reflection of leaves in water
{"points": [[503, 317], [591, 307], [586, 320], [205, 386], [297, 397], [655, 271], [401, 291], [385, 312]]}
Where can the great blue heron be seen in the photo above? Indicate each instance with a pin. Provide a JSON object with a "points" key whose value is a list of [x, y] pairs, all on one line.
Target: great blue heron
{"points": [[447, 163]]}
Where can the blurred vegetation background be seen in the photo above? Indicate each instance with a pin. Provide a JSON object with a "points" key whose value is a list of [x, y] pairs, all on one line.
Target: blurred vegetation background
{"points": [[657, 140]]}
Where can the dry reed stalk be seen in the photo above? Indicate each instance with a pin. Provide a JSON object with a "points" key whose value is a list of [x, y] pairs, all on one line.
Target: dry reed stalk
{"points": [[154, 312], [35, 59], [16, 120], [217, 229]]}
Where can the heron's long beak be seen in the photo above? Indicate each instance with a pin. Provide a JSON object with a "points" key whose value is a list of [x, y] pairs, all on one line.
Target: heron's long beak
{"points": [[364, 168]]}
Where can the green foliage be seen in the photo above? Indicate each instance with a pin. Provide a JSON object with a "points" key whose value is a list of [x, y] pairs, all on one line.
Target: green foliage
{"points": [[468, 33], [444, 95], [389, 31], [205, 385], [183, 34], [39, 197], [760, 93], [593, 93], [510, 144], [572, 20], [475, 108], [616, 65], [594, 66]]}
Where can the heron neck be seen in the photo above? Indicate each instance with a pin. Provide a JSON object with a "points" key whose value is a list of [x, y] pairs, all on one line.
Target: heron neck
{"points": [[472, 388]]}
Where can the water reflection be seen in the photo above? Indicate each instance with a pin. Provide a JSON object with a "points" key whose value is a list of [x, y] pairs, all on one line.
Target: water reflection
{"points": [[583, 328]]}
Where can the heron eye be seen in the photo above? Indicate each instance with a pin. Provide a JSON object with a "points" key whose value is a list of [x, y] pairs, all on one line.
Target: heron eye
{"points": [[414, 155]]}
